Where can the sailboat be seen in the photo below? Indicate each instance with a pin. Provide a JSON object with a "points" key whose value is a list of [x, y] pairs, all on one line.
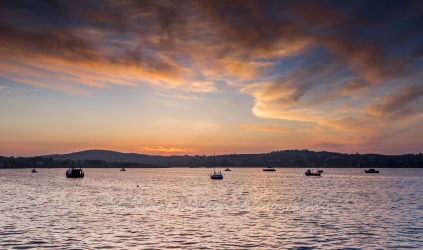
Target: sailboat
{"points": [[269, 168], [121, 163], [216, 175]]}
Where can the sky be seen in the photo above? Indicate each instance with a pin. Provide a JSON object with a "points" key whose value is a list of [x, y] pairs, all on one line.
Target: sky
{"points": [[210, 76]]}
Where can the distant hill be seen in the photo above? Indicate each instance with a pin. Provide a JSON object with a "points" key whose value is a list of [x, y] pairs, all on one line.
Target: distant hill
{"points": [[112, 156], [103, 155]]}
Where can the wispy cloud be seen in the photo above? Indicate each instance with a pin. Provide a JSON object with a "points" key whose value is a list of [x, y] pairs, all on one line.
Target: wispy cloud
{"points": [[178, 96], [404, 105], [5, 88], [266, 128]]}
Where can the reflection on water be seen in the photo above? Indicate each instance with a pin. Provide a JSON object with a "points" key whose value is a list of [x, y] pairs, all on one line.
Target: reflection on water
{"points": [[184, 208]]}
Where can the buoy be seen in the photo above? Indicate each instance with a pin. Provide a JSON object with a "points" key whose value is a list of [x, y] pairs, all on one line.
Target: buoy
{"points": [[137, 185]]}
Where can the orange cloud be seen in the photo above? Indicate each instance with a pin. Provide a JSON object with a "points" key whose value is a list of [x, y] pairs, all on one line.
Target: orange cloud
{"points": [[403, 106], [166, 150], [399, 105]]}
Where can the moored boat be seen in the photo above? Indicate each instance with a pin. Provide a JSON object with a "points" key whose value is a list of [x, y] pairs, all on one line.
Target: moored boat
{"points": [[228, 169], [371, 171], [121, 163], [311, 173], [269, 169], [216, 175], [33, 170], [74, 172]]}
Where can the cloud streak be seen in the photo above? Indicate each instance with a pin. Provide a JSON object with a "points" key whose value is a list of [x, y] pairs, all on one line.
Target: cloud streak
{"points": [[266, 128], [166, 150]]}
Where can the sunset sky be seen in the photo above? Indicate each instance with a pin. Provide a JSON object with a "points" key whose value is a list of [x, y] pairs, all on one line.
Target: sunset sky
{"points": [[203, 77]]}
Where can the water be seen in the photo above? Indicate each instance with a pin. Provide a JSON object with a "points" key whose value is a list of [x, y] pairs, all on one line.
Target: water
{"points": [[184, 208]]}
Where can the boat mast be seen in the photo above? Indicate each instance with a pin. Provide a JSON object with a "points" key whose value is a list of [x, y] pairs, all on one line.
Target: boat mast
{"points": [[214, 162]]}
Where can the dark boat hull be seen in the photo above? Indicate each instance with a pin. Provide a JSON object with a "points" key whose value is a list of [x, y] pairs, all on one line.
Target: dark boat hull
{"points": [[216, 178], [75, 175], [312, 174]]}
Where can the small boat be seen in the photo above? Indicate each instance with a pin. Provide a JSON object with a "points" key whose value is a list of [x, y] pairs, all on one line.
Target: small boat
{"points": [[121, 163], [74, 172], [269, 168], [216, 175], [228, 169], [311, 173], [319, 171], [33, 170], [372, 171]]}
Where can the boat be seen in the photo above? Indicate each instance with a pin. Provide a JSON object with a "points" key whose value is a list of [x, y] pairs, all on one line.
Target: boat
{"points": [[216, 175], [121, 163], [269, 168], [319, 171], [74, 172], [33, 170], [228, 169], [371, 171], [311, 173]]}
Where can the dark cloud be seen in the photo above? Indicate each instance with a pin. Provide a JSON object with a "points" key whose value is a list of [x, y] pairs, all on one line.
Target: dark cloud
{"points": [[250, 26], [376, 41], [55, 43], [353, 85]]}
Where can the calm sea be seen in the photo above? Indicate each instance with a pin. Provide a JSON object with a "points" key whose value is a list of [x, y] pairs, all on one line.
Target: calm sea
{"points": [[183, 208]]}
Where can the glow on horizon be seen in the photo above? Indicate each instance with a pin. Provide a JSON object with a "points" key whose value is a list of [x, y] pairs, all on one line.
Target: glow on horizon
{"points": [[211, 77]]}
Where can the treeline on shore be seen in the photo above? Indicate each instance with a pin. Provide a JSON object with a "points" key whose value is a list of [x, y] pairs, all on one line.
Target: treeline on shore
{"points": [[283, 158], [40, 162]]}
